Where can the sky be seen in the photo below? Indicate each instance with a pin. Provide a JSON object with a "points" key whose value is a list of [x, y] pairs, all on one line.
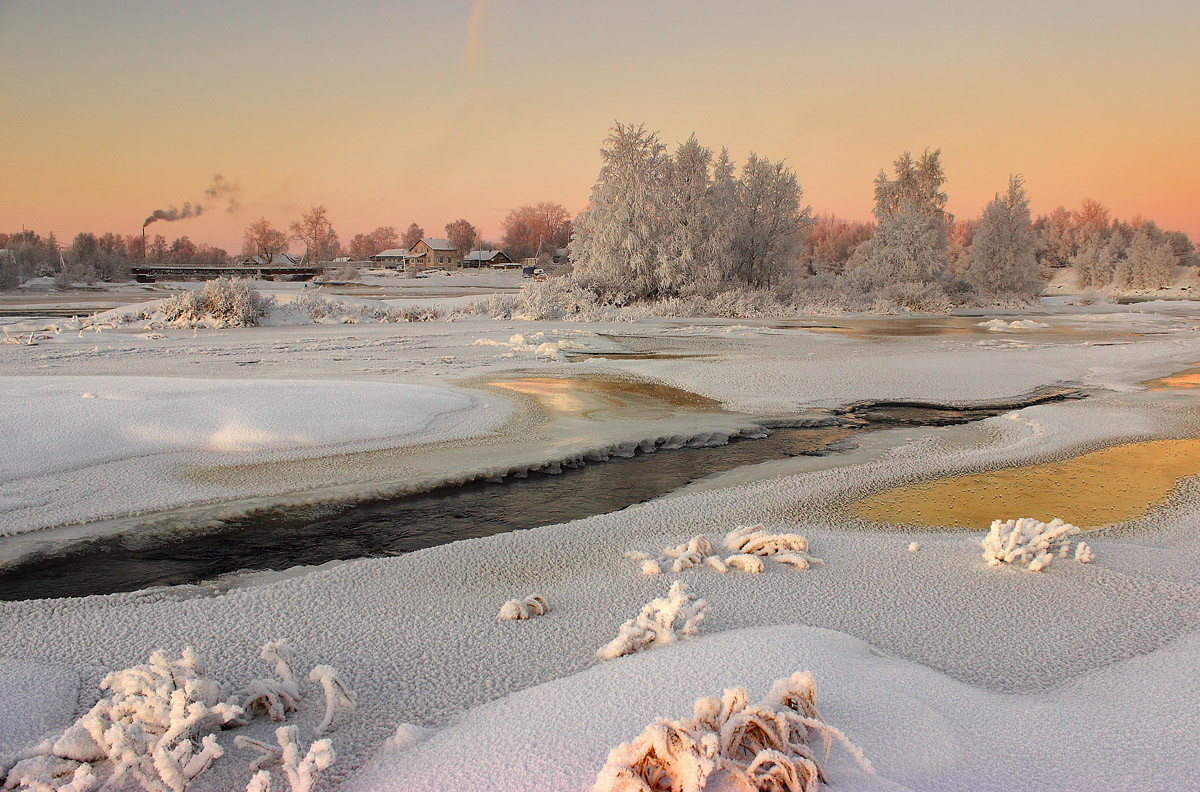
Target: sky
{"points": [[389, 113]]}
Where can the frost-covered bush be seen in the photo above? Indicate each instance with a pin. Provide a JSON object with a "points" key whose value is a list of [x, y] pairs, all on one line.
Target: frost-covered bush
{"points": [[145, 730], [319, 308], [748, 543], [156, 728], [514, 609], [274, 698], [224, 302], [1032, 543], [300, 771], [786, 548], [656, 624], [730, 743]]}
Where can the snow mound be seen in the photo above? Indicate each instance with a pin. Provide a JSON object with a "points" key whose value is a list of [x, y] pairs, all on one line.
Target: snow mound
{"points": [[1001, 326], [729, 743]]}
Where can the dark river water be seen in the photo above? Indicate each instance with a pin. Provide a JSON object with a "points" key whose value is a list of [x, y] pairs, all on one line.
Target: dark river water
{"points": [[319, 534]]}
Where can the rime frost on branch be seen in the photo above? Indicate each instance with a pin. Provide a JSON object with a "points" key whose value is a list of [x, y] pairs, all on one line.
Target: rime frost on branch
{"points": [[339, 699], [533, 605], [274, 698], [1032, 543], [750, 545], [733, 744], [656, 623], [301, 772]]}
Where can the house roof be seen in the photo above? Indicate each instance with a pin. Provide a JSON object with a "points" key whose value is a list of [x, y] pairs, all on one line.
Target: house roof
{"points": [[394, 253], [483, 255], [438, 244]]}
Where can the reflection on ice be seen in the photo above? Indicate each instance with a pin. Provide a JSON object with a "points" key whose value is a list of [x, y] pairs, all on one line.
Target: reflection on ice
{"points": [[1092, 490]]}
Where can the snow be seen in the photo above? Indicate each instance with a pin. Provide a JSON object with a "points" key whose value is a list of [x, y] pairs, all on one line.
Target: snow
{"points": [[949, 673], [37, 701], [91, 447], [920, 730]]}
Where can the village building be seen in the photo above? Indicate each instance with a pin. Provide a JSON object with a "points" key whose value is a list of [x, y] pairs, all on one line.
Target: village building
{"points": [[496, 259], [434, 253]]}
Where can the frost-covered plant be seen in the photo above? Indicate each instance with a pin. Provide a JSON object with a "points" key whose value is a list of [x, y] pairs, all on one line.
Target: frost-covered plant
{"points": [[656, 624], [274, 698], [1030, 542], [755, 747], [223, 302], [144, 729], [234, 302], [786, 548], [533, 605], [748, 544], [1084, 554], [339, 699], [301, 772]]}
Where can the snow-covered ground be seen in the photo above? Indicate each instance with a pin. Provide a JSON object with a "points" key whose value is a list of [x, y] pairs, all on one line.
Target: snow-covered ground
{"points": [[949, 673]]}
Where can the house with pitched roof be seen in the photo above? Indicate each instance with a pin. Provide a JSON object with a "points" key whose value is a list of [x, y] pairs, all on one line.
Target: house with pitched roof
{"points": [[486, 258], [434, 254]]}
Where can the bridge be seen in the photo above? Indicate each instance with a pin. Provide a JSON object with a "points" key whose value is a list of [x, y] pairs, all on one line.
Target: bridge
{"points": [[150, 273]]}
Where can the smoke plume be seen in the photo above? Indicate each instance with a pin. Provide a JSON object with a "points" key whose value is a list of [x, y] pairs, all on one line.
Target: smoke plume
{"points": [[221, 191]]}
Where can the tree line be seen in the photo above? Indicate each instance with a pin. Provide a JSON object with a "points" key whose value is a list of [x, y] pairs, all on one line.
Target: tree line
{"points": [[689, 223]]}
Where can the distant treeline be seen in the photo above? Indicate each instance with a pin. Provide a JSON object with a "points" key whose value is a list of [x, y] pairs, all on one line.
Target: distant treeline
{"points": [[91, 258]]}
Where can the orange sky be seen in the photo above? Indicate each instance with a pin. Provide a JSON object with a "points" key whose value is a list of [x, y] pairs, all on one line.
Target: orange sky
{"points": [[389, 113]]}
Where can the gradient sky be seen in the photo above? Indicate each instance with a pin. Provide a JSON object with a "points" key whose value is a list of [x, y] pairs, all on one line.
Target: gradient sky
{"points": [[394, 112]]}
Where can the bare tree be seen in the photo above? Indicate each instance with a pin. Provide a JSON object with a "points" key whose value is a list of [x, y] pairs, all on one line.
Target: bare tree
{"points": [[531, 226], [316, 232], [363, 246], [412, 236], [461, 236], [261, 239]]}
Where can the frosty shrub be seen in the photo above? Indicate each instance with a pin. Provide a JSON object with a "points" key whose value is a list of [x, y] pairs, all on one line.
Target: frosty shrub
{"points": [[533, 605], [156, 729], [300, 771], [271, 697], [750, 544], [319, 308], [1003, 253], [786, 548], [656, 624], [729, 743], [234, 302], [1031, 542], [223, 302], [145, 730]]}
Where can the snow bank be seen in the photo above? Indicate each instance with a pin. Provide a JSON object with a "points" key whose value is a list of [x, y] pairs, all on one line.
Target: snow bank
{"points": [[921, 731], [80, 448]]}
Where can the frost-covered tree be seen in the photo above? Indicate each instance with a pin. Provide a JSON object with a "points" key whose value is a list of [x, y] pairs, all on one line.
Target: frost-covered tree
{"points": [[909, 246], [1056, 237], [1149, 261], [617, 240], [769, 223], [832, 241], [1003, 251], [1095, 262], [363, 246], [689, 218]]}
